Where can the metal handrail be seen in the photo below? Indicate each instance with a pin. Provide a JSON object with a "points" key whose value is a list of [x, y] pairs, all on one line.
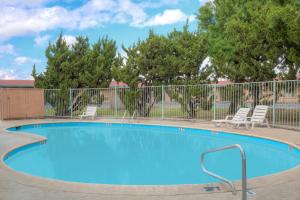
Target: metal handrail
{"points": [[124, 116], [133, 114], [131, 118], [244, 175]]}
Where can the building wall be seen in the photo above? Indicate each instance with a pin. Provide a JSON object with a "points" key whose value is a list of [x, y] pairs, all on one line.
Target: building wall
{"points": [[20, 103]]}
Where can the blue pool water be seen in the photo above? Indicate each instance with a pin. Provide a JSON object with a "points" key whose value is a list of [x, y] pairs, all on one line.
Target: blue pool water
{"points": [[143, 154]]}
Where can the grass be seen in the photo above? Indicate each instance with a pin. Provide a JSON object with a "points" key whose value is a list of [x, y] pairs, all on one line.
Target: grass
{"points": [[287, 117], [50, 112]]}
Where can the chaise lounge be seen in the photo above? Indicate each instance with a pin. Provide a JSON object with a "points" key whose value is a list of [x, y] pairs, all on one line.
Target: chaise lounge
{"points": [[90, 112], [239, 118]]}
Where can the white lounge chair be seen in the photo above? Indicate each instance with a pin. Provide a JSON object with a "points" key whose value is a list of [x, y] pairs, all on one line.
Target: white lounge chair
{"points": [[259, 116], [90, 112], [239, 118]]}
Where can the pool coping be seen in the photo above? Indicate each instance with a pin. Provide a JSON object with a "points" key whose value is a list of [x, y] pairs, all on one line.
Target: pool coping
{"points": [[169, 190]]}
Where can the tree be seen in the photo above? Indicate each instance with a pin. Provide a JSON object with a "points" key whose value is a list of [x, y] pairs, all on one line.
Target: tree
{"points": [[248, 40], [164, 60], [189, 49], [238, 39], [146, 65], [56, 75], [147, 62], [74, 72], [77, 66], [284, 23], [37, 77], [101, 60]]}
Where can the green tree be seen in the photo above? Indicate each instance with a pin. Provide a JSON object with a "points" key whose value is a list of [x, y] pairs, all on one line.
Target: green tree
{"points": [[189, 49], [101, 60], [37, 77], [55, 76], [147, 62], [74, 73], [146, 65], [249, 39], [284, 23], [172, 59], [237, 33], [77, 66]]}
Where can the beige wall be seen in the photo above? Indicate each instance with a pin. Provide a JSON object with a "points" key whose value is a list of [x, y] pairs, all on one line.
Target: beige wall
{"points": [[19, 103]]}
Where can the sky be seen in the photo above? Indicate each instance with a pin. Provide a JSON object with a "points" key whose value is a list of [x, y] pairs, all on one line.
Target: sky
{"points": [[27, 26]]}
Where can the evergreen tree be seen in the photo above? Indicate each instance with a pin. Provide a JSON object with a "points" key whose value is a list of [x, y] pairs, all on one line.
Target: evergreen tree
{"points": [[158, 60], [250, 40], [101, 60], [284, 24], [145, 65], [37, 77], [77, 66]]}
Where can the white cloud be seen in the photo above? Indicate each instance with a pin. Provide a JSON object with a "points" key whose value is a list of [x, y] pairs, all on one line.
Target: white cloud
{"points": [[14, 74], [22, 3], [168, 17], [205, 1], [135, 11], [96, 13], [157, 4], [21, 60], [7, 74], [19, 20], [7, 49], [41, 40], [192, 18], [70, 39]]}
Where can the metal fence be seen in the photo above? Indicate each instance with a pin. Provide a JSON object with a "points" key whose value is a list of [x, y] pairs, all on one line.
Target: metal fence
{"points": [[198, 102]]}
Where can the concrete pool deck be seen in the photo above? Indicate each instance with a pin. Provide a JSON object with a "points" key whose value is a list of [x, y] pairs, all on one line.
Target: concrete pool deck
{"points": [[18, 186]]}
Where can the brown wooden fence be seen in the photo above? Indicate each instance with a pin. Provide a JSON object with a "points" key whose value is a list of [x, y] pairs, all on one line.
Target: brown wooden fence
{"points": [[21, 103]]}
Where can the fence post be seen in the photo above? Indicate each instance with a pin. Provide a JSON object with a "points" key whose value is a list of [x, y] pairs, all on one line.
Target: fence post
{"points": [[71, 104], [162, 101], [214, 93], [274, 101], [116, 109]]}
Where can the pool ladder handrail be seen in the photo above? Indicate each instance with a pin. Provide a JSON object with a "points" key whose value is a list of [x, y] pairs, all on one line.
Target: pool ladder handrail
{"points": [[230, 183], [131, 118], [124, 115], [133, 115]]}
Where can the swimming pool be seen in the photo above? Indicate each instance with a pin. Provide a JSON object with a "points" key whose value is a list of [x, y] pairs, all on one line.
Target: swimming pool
{"points": [[133, 154]]}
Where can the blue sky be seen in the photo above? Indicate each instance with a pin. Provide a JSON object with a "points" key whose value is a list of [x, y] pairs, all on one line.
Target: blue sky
{"points": [[28, 25]]}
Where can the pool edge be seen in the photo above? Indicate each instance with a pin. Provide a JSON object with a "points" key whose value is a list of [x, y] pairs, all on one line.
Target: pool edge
{"points": [[257, 182]]}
